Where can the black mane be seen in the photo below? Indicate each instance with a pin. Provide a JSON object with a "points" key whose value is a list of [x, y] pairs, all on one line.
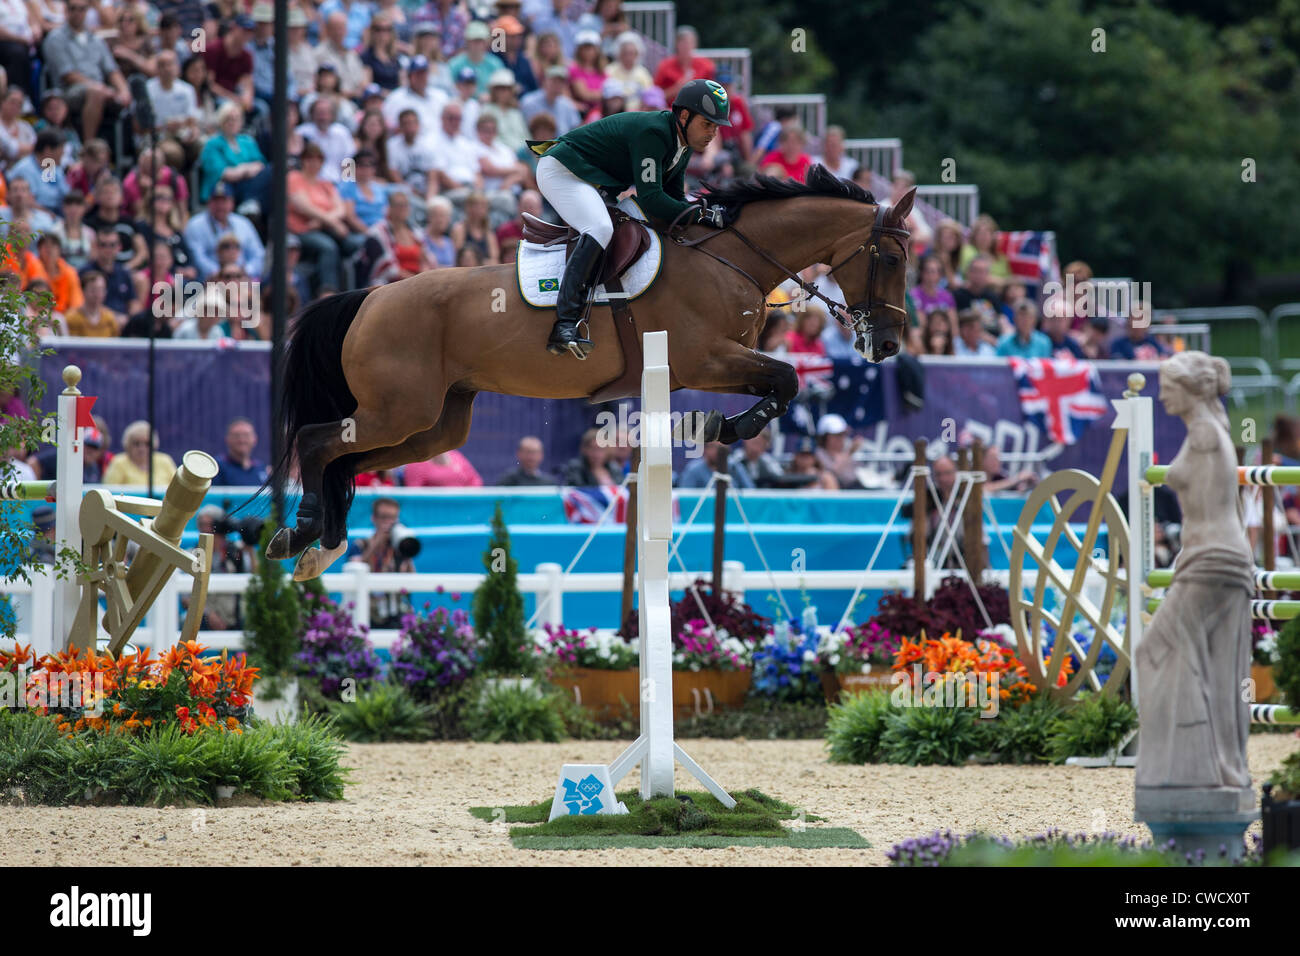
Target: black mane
{"points": [[821, 182]]}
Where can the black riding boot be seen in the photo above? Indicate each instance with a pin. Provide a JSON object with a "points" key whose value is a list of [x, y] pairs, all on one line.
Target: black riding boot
{"points": [[575, 288]]}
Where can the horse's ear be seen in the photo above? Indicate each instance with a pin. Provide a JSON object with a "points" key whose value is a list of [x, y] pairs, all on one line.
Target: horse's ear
{"points": [[900, 210]]}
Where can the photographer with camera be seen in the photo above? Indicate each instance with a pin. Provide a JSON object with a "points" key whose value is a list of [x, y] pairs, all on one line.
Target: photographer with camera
{"points": [[392, 548], [224, 612]]}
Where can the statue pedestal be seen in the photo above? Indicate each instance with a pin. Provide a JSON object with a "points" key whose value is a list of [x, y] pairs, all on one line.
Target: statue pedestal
{"points": [[1198, 818]]}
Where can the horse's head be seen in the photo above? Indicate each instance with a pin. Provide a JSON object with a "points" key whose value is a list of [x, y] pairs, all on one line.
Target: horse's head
{"points": [[875, 292]]}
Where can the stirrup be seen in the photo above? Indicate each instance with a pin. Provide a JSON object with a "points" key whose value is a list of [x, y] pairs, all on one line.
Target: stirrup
{"points": [[578, 347]]}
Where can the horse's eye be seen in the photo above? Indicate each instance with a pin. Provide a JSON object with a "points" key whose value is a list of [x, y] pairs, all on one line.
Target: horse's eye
{"points": [[892, 260]]}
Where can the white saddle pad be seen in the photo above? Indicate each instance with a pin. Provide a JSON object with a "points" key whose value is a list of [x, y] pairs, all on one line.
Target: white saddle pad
{"points": [[539, 268]]}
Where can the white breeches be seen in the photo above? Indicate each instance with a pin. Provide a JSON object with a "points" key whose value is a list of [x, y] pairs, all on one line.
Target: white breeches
{"points": [[578, 203]]}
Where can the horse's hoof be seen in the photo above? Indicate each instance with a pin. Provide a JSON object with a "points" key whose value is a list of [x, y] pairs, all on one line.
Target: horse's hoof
{"points": [[699, 427], [314, 561], [280, 547]]}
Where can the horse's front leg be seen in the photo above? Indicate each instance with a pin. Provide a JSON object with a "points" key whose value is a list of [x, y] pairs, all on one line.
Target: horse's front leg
{"points": [[738, 370]]}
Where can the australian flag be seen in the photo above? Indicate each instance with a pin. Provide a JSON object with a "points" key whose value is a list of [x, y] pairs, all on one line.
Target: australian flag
{"points": [[1062, 397], [1031, 256]]}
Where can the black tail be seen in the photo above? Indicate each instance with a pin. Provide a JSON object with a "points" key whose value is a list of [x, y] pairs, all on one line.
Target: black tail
{"points": [[314, 390]]}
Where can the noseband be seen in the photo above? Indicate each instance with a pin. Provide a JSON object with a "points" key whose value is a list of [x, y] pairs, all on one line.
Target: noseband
{"points": [[860, 312]]}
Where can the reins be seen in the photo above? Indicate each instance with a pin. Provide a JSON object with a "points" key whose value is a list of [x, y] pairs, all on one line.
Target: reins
{"points": [[857, 323]]}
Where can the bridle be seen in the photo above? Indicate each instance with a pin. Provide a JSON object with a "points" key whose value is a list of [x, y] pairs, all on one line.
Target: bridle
{"points": [[859, 312]]}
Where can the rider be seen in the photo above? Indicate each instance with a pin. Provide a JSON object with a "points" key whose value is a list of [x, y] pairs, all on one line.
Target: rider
{"points": [[649, 150]]}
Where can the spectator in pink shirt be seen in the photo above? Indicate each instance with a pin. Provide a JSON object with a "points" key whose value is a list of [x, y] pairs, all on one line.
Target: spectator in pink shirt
{"points": [[451, 469]]}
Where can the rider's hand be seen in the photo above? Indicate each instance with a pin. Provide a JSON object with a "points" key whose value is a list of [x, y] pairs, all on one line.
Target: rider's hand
{"points": [[712, 216]]}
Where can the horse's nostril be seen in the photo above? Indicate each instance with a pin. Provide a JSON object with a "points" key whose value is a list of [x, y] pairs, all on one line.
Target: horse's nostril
{"points": [[887, 349]]}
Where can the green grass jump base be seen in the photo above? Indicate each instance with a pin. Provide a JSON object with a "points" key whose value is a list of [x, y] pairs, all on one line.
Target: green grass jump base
{"points": [[690, 819]]}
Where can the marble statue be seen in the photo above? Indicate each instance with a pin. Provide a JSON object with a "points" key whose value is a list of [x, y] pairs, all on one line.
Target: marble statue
{"points": [[1196, 651]]}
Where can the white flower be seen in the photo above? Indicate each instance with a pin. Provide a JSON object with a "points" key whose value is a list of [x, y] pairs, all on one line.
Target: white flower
{"points": [[809, 657]]}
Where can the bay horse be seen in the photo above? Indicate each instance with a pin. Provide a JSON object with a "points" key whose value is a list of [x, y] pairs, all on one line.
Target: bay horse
{"points": [[382, 377]]}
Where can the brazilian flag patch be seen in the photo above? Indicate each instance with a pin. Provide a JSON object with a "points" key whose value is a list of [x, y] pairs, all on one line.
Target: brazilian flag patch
{"points": [[548, 285]]}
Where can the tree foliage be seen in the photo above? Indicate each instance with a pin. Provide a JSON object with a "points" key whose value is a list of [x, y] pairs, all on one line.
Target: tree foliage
{"points": [[1133, 156]]}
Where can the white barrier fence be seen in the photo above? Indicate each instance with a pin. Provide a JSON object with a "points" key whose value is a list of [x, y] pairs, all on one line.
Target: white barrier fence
{"points": [[356, 583]]}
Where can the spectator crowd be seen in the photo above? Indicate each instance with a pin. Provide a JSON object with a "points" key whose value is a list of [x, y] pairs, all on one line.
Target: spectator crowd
{"points": [[407, 128]]}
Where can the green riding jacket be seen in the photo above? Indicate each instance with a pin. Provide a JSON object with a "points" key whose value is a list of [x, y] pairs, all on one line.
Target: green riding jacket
{"points": [[628, 149]]}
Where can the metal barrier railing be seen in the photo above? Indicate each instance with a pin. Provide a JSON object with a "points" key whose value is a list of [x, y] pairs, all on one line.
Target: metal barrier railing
{"points": [[881, 156], [1258, 343], [1289, 310], [959, 202], [656, 20], [810, 107], [737, 59]]}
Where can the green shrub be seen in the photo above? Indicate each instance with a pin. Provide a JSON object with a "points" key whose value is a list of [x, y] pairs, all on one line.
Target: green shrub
{"points": [[854, 727], [386, 712], [313, 748], [1286, 672], [251, 762], [1286, 779], [498, 608], [933, 735], [1024, 734], [517, 715], [23, 739], [161, 767], [1094, 726]]}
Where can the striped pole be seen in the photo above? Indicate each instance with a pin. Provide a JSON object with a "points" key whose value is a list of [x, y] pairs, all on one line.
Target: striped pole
{"points": [[27, 491], [1273, 714], [1259, 610], [1264, 580], [1246, 475]]}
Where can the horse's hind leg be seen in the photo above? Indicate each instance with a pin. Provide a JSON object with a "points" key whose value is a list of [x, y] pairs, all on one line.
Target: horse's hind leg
{"points": [[450, 432], [738, 370], [323, 510]]}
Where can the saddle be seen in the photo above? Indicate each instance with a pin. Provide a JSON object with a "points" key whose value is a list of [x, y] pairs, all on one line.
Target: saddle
{"points": [[631, 238], [629, 242]]}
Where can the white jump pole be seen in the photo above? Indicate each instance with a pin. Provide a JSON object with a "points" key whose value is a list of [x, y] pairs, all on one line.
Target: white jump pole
{"points": [[1134, 412], [588, 788], [67, 502]]}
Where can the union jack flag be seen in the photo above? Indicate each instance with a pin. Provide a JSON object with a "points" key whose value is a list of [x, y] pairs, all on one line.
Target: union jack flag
{"points": [[585, 504], [1062, 397], [1031, 256]]}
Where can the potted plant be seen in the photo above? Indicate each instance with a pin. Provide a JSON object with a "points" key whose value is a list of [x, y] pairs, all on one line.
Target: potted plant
{"points": [[858, 659], [272, 624], [1280, 807], [785, 666], [434, 653], [336, 657], [498, 614], [711, 669], [599, 670], [1263, 655]]}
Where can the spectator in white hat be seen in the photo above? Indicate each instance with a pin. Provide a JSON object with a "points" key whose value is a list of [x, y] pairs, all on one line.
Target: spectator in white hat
{"points": [[629, 69], [512, 128], [837, 448], [477, 55], [587, 73]]}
